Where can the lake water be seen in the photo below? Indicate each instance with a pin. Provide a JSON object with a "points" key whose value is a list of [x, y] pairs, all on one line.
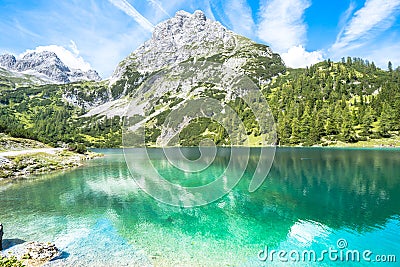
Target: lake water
{"points": [[313, 199]]}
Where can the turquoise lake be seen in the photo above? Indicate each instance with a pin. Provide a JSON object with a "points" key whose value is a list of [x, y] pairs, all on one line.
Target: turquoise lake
{"points": [[314, 199]]}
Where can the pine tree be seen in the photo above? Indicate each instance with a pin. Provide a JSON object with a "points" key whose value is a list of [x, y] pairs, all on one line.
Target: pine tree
{"points": [[331, 124], [284, 129], [317, 127], [385, 120], [367, 120], [295, 137], [390, 66], [347, 132]]}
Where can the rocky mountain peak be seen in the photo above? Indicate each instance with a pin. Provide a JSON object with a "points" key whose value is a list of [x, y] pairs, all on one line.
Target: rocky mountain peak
{"points": [[45, 55], [177, 39], [7, 61], [44, 62], [192, 48], [46, 65]]}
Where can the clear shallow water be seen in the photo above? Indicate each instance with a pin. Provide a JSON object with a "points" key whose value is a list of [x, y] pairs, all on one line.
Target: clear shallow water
{"points": [[312, 198]]}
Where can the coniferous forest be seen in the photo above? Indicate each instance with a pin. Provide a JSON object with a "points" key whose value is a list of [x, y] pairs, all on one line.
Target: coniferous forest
{"points": [[347, 101]]}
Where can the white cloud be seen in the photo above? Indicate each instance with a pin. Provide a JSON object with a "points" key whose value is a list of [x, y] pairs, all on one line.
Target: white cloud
{"points": [[281, 23], [132, 12], [240, 17], [113, 51], [381, 53], [388, 53], [208, 10], [71, 59], [158, 5], [74, 48], [344, 18], [298, 57], [374, 16], [24, 30], [103, 33], [217, 7]]}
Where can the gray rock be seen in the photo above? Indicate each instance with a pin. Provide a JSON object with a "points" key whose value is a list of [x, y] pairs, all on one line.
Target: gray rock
{"points": [[33, 252], [4, 161], [47, 65], [7, 61], [185, 40], [178, 39]]}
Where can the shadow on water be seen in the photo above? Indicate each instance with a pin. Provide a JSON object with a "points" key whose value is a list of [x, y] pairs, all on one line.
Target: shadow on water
{"points": [[63, 255]]}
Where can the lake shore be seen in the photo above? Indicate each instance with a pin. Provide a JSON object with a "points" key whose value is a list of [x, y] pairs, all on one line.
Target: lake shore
{"points": [[392, 142], [21, 157], [360, 144], [14, 164]]}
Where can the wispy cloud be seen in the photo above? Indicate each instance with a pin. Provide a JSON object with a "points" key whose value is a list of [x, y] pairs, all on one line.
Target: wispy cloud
{"points": [[158, 5], [24, 30], [374, 17], [282, 23], [126, 7], [384, 52], [208, 10], [345, 17], [240, 17]]}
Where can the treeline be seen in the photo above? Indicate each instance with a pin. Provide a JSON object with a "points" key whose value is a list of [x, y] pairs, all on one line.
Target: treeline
{"points": [[41, 113], [348, 101]]}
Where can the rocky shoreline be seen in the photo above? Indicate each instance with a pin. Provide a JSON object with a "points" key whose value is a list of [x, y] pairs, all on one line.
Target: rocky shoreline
{"points": [[13, 166], [21, 157]]}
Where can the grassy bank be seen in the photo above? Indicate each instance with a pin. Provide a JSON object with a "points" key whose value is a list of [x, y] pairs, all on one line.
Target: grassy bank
{"points": [[21, 157]]}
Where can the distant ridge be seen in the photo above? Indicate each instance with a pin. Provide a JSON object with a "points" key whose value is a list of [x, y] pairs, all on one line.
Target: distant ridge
{"points": [[46, 66]]}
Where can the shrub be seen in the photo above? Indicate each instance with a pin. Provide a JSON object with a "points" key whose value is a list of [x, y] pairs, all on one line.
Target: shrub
{"points": [[78, 148], [10, 262]]}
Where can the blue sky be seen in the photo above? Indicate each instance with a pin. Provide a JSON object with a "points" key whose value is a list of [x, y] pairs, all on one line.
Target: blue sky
{"points": [[100, 33]]}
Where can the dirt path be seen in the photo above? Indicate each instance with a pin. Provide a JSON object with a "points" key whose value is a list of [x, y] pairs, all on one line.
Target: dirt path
{"points": [[29, 151]]}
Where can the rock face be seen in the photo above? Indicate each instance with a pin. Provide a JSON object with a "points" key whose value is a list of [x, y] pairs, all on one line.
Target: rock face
{"points": [[46, 65], [185, 44], [7, 61], [190, 38], [178, 39], [187, 36], [188, 57]]}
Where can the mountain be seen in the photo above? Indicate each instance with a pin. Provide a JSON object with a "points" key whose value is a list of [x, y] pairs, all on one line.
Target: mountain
{"points": [[189, 44], [190, 38], [12, 79], [46, 66], [193, 36], [191, 57]]}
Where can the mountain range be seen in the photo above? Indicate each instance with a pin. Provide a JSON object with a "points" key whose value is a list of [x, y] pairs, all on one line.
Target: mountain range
{"points": [[348, 101], [47, 67]]}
